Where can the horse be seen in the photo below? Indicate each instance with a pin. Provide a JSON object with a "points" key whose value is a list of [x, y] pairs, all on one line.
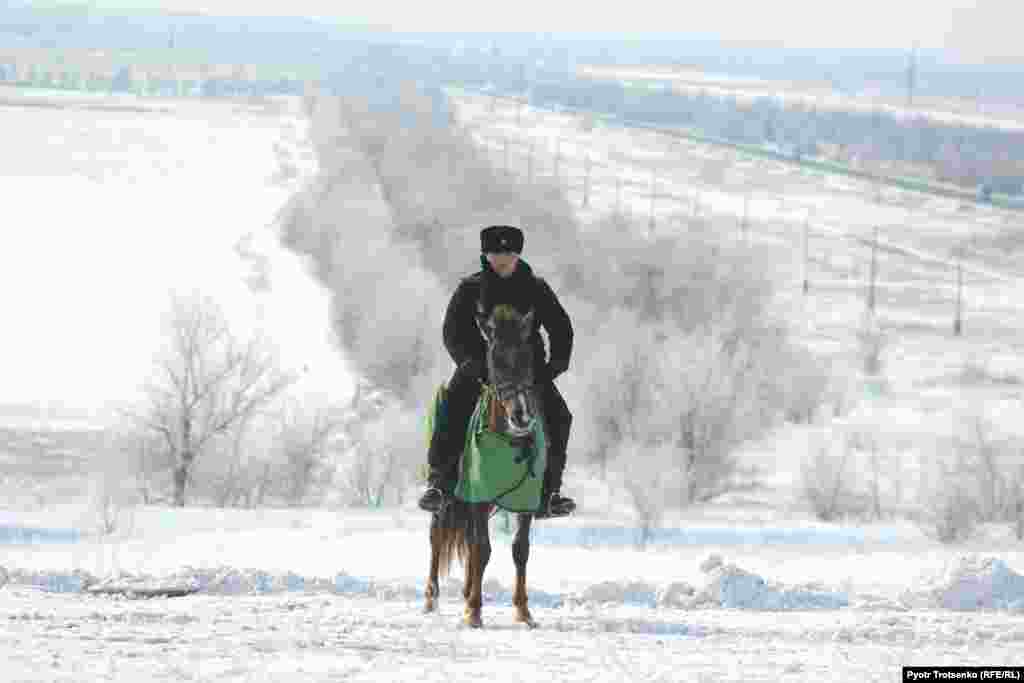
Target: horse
{"points": [[462, 528]]}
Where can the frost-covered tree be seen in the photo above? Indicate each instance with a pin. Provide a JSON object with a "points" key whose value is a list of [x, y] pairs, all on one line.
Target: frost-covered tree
{"points": [[393, 222], [205, 383], [300, 450]]}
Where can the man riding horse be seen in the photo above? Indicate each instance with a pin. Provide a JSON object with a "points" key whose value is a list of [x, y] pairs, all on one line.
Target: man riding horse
{"points": [[504, 278]]}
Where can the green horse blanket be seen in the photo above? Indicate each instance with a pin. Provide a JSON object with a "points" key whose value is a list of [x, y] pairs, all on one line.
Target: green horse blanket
{"points": [[494, 469]]}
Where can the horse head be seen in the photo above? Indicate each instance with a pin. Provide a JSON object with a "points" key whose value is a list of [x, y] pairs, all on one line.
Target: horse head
{"points": [[510, 366]]}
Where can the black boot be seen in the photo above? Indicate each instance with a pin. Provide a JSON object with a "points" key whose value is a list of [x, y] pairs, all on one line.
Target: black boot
{"points": [[440, 489], [433, 500], [439, 485], [448, 440], [561, 506], [555, 505]]}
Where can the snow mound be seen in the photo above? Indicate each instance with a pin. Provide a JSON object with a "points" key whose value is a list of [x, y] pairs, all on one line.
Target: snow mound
{"points": [[52, 581], [712, 561], [3, 577], [731, 587], [876, 603], [727, 586], [619, 593], [970, 583], [676, 594], [212, 581], [232, 581]]}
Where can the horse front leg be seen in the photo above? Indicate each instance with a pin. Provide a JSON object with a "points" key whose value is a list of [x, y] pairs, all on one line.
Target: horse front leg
{"points": [[520, 555], [432, 592], [471, 591], [479, 556]]}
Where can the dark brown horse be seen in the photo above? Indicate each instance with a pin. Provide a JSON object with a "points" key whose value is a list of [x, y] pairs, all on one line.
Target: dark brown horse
{"points": [[462, 529]]}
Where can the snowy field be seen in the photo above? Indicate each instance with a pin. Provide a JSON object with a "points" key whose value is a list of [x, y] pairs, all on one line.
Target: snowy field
{"points": [[124, 208], [326, 596], [108, 212]]}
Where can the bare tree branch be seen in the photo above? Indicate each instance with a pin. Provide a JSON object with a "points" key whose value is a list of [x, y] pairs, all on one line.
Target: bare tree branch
{"points": [[206, 384]]}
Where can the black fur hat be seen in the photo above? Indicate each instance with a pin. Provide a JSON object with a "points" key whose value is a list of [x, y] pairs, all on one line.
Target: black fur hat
{"points": [[498, 238]]}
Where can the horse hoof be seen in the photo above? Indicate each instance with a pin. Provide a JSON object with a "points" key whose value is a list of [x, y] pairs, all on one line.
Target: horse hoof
{"points": [[527, 621], [429, 609], [473, 621]]}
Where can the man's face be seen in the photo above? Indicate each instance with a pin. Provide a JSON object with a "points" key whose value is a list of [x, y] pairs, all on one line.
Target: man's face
{"points": [[504, 263]]}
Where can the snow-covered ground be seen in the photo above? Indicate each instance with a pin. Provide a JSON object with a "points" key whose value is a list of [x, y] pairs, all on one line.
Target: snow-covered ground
{"points": [[339, 638], [337, 595], [108, 212]]}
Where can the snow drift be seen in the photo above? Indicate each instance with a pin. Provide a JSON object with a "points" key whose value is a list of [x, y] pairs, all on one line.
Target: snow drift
{"points": [[726, 586], [970, 583]]}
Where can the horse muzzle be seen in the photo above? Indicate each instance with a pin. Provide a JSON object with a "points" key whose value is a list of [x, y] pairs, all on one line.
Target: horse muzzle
{"points": [[520, 419]]}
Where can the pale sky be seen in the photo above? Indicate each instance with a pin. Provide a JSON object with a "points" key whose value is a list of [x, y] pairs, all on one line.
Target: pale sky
{"points": [[982, 28]]}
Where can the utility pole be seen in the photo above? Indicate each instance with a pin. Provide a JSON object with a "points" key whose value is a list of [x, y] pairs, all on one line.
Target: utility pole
{"points": [[529, 163], [958, 319], [170, 58], [911, 75], [807, 252], [558, 159], [746, 215], [586, 182], [873, 273], [650, 222]]}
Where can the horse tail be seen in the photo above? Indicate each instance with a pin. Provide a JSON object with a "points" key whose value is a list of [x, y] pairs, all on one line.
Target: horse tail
{"points": [[452, 539]]}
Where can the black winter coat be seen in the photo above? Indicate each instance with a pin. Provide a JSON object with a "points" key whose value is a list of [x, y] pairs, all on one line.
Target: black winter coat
{"points": [[522, 290]]}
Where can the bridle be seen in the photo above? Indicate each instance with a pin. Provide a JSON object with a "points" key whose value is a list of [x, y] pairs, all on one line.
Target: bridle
{"points": [[506, 392]]}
